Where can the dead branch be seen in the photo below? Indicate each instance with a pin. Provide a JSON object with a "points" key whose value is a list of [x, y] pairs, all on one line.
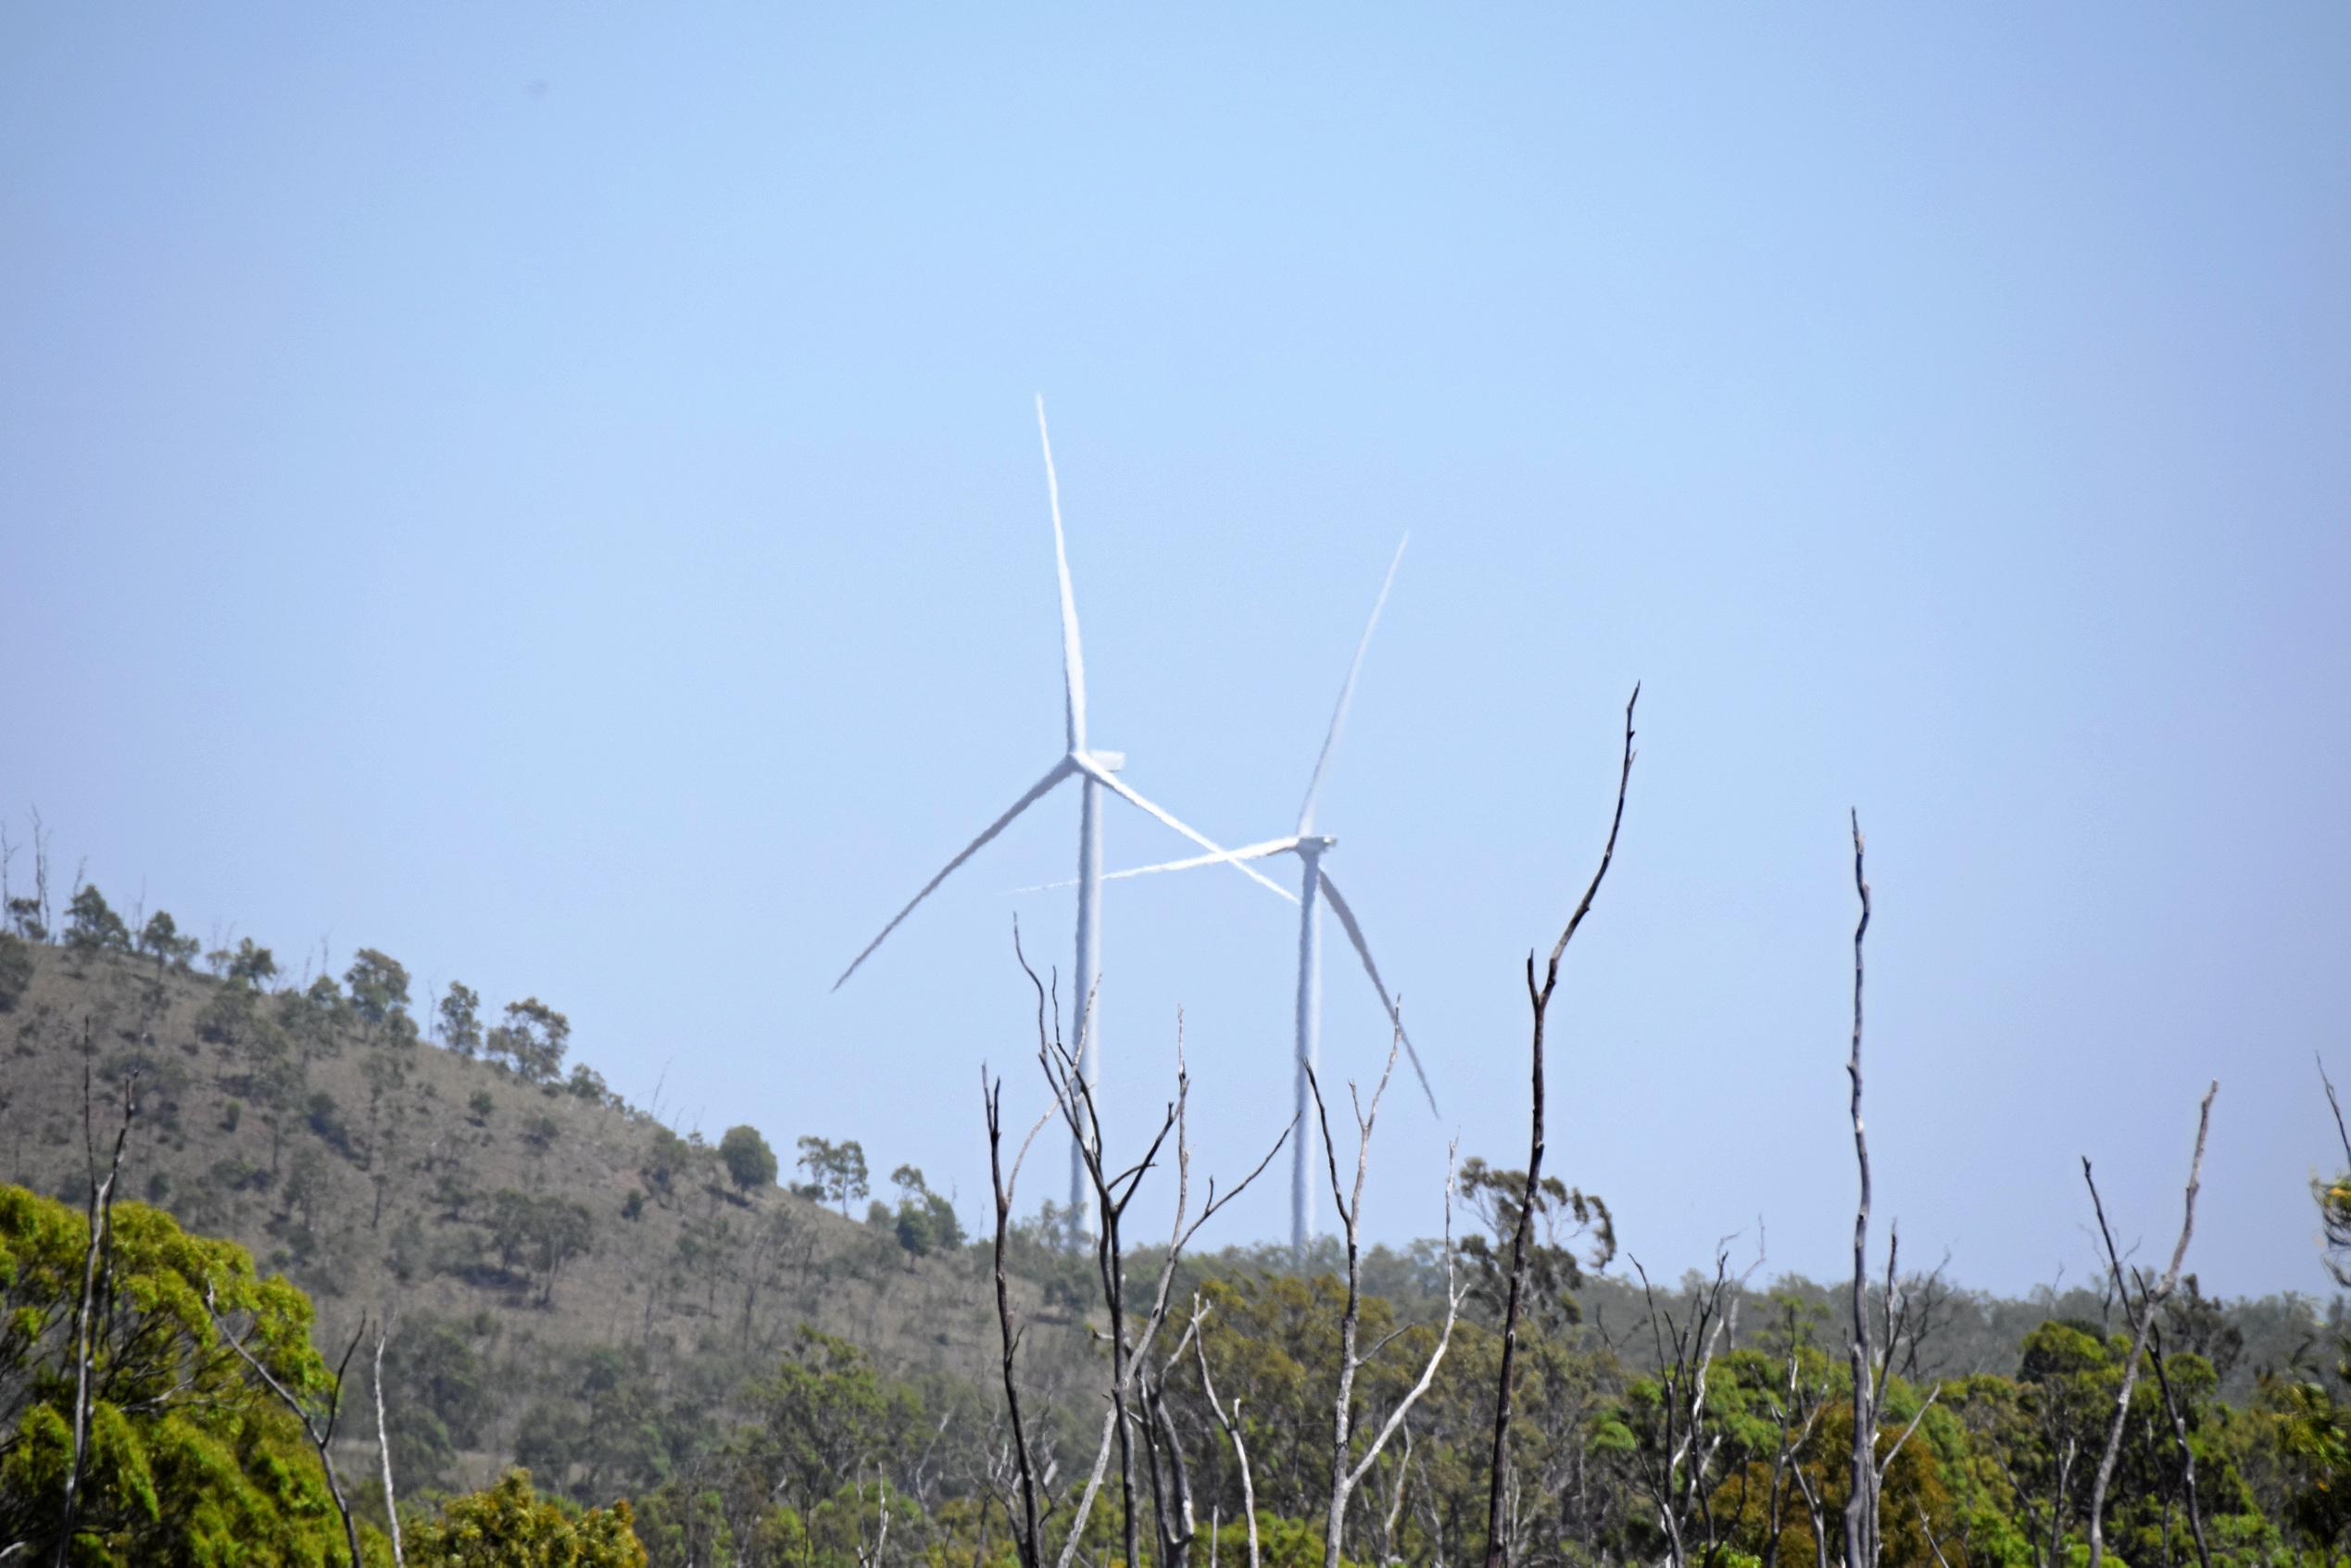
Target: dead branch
{"points": [[1684, 1453], [384, 1449], [1231, 1423], [1025, 1534], [2142, 1317], [319, 1440], [1347, 1471], [1112, 1194], [1861, 1505], [101, 1227], [1538, 997]]}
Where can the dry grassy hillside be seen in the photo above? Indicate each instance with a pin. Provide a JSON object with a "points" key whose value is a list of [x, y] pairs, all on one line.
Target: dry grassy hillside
{"points": [[383, 1174]]}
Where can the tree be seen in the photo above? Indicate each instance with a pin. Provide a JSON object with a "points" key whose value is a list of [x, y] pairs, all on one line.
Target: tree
{"points": [[669, 1158], [539, 1234], [192, 1460], [926, 1222], [92, 926], [837, 1171], [510, 1525], [535, 1035], [15, 969], [461, 1019], [161, 941], [379, 987], [748, 1158], [249, 966], [1564, 1214]]}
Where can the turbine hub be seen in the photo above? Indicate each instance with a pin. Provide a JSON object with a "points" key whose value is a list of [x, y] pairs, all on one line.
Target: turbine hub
{"points": [[1108, 761]]}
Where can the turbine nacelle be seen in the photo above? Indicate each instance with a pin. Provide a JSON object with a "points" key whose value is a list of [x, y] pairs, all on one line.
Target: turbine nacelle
{"points": [[1107, 762]]}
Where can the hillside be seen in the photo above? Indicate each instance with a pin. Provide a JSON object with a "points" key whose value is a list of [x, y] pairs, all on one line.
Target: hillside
{"points": [[533, 1225]]}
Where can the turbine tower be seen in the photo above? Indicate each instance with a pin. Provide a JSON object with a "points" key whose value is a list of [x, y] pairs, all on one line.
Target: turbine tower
{"points": [[1315, 889], [1096, 772]]}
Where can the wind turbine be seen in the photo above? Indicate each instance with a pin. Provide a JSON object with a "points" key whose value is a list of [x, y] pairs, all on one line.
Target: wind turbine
{"points": [[1096, 772], [1314, 888]]}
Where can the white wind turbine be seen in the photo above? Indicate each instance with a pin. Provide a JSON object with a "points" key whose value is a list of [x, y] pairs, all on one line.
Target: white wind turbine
{"points": [[1097, 770], [1314, 888]]}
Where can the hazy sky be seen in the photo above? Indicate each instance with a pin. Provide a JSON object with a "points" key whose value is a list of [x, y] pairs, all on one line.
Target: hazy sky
{"points": [[551, 492]]}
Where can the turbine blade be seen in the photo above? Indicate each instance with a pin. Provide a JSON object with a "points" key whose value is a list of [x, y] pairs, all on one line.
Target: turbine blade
{"points": [[1073, 653], [1246, 852], [1061, 771], [1347, 692], [1362, 950], [1117, 786]]}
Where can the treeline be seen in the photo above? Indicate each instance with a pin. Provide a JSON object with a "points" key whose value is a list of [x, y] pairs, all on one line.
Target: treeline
{"points": [[826, 1458], [1500, 1394]]}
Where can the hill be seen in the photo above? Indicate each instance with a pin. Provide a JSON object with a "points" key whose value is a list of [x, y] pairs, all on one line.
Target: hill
{"points": [[519, 1225]]}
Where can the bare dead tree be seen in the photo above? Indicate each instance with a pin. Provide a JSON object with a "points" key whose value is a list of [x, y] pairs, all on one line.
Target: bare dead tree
{"points": [[94, 1260], [1872, 1366], [2142, 1318], [1347, 1470], [1024, 1521], [1675, 1470], [384, 1449], [2179, 1420], [1794, 1417], [321, 1438], [1538, 997], [1928, 1304], [869, 1547], [40, 876], [1861, 1505], [1231, 1422], [1113, 1193]]}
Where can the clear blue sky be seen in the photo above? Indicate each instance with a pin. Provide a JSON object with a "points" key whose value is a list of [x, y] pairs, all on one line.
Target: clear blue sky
{"points": [[551, 492]]}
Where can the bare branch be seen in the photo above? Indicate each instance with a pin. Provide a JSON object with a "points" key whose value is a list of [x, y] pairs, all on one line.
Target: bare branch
{"points": [[1861, 1503], [1538, 997], [319, 1440], [2143, 1318]]}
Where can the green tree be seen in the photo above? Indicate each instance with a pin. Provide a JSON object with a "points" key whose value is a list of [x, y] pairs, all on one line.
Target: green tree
{"points": [[511, 1527], [92, 926], [1563, 1217], [379, 989], [837, 1171], [161, 941], [460, 1021], [191, 1460], [539, 1235], [926, 1222], [748, 1158], [445, 1400], [534, 1037], [249, 966], [825, 1413], [669, 1158]]}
